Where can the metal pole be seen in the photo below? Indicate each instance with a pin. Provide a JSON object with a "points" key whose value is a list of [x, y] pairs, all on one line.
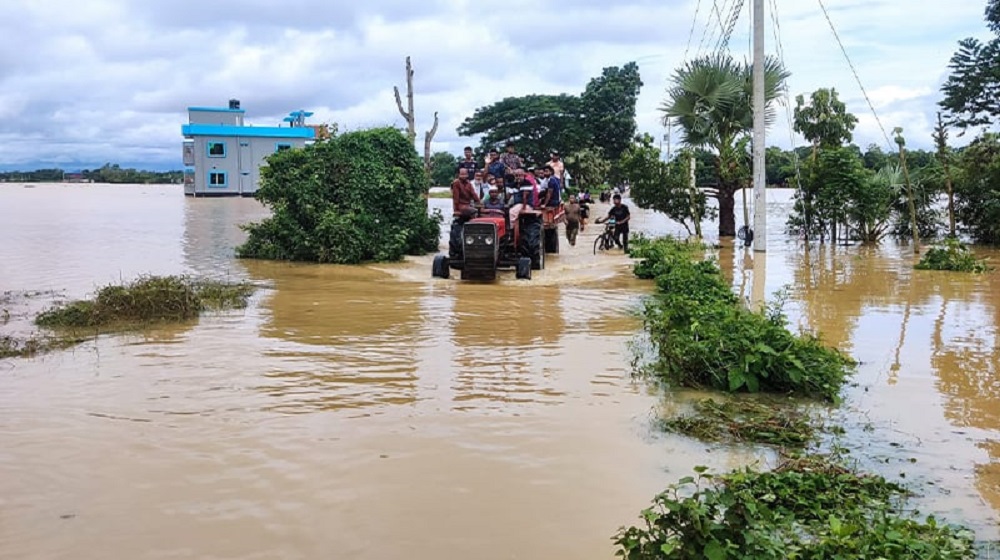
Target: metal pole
{"points": [[759, 191]]}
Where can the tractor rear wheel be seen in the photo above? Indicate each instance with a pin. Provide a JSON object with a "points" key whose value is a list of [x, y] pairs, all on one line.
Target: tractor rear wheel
{"points": [[552, 240], [523, 269], [531, 242], [440, 268]]}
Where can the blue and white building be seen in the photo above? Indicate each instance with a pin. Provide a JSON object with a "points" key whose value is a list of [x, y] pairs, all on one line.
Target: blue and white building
{"points": [[223, 155]]}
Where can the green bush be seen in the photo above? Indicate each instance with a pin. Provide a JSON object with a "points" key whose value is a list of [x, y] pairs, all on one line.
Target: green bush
{"points": [[357, 197], [705, 338], [808, 508], [656, 256], [952, 255], [149, 299]]}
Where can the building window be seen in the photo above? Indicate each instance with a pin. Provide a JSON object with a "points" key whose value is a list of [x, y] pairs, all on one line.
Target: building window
{"points": [[217, 149], [218, 179], [280, 147]]}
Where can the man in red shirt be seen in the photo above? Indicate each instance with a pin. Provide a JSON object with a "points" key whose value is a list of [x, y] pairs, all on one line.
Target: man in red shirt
{"points": [[462, 198], [462, 193]]}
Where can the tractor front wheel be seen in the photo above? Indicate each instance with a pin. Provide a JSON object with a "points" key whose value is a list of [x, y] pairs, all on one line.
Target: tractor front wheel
{"points": [[523, 269], [440, 268]]}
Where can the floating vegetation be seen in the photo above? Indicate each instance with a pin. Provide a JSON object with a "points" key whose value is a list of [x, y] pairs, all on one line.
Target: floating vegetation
{"points": [[14, 347], [147, 300], [745, 421]]}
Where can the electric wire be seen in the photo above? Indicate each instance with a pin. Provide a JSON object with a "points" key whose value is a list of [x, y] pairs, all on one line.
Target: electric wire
{"points": [[855, 72], [694, 22], [780, 49], [734, 16], [706, 34]]}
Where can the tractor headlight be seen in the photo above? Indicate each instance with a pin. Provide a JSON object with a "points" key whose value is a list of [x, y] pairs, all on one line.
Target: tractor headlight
{"points": [[470, 240], [489, 240]]}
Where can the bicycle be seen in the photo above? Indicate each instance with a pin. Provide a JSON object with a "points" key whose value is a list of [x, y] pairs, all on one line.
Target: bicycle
{"points": [[606, 240]]}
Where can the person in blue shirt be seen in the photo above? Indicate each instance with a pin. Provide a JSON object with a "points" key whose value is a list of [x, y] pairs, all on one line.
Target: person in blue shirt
{"points": [[468, 163], [553, 194]]}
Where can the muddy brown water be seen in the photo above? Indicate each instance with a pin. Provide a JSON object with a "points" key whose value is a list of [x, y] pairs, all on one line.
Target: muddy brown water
{"points": [[372, 412]]}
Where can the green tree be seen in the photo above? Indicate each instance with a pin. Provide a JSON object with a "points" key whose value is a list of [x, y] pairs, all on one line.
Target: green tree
{"points": [[875, 158], [711, 100], [660, 186], [972, 89], [827, 125], [780, 167], [609, 108], [356, 197], [602, 118], [589, 168], [443, 168], [824, 122], [535, 123], [977, 189]]}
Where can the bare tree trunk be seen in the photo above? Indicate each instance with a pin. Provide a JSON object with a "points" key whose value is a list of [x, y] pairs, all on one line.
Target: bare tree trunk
{"points": [[428, 138], [411, 128]]}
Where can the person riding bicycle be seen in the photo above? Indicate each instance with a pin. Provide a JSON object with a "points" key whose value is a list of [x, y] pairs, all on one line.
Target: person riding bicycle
{"points": [[621, 215]]}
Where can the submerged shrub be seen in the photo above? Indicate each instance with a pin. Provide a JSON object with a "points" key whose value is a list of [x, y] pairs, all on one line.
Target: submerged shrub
{"points": [[808, 508], [704, 338], [744, 421], [357, 197], [952, 255], [149, 299]]}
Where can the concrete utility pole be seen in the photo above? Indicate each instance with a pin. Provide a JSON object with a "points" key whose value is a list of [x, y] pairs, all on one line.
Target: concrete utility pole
{"points": [[759, 176]]}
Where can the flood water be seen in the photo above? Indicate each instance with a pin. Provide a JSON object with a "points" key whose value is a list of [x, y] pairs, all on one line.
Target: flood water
{"points": [[373, 412]]}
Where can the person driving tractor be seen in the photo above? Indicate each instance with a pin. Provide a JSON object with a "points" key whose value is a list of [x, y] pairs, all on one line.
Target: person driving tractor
{"points": [[494, 201], [462, 197]]}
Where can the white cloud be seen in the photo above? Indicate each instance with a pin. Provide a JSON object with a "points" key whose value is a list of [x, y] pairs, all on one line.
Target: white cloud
{"points": [[109, 80]]}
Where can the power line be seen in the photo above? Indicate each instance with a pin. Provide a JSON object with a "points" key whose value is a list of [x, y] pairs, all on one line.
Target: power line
{"points": [[855, 72], [788, 101], [734, 16], [691, 32], [705, 30]]}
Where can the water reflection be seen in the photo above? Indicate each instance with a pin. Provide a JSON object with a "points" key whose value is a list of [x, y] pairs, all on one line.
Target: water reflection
{"points": [[504, 337], [212, 232], [345, 336]]}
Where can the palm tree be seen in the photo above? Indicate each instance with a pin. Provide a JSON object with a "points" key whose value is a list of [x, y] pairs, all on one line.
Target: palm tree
{"points": [[711, 99]]}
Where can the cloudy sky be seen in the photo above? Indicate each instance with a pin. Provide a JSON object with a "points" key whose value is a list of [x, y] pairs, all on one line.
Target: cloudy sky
{"points": [[94, 81]]}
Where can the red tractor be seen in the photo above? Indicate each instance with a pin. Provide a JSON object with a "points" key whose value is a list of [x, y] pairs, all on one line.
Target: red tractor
{"points": [[481, 245]]}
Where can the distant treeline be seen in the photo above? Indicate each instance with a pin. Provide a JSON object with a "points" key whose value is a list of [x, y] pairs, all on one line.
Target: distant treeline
{"points": [[108, 173]]}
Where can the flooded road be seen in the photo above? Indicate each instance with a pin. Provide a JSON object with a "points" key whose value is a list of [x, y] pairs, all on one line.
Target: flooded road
{"points": [[373, 412]]}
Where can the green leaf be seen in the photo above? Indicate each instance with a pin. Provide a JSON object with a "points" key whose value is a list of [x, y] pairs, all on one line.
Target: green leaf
{"points": [[714, 551], [736, 379]]}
